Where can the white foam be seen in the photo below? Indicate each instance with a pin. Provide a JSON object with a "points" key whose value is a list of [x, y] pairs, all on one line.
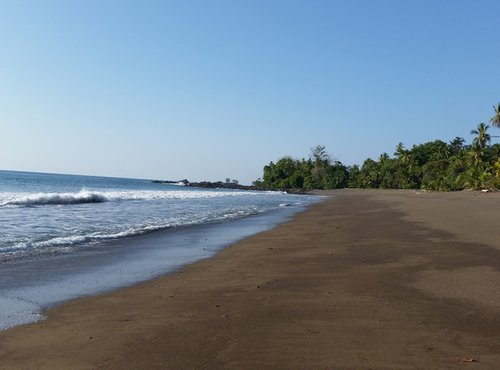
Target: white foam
{"points": [[60, 243], [87, 196], [17, 311], [45, 283], [23, 199]]}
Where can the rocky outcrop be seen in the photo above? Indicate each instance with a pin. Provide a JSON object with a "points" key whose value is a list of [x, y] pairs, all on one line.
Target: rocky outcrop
{"points": [[207, 184]]}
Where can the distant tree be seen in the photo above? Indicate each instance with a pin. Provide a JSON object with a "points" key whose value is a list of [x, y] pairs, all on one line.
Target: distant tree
{"points": [[228, 180], [456, 145], [319, 154], [495, 120], [259, 184], [497, 172], [354, 176], [426, 152], [482, 138], [336, 176], [369, 176], [434, 165], [401, 152], [284, 174], [234, 181], [321, 163]]}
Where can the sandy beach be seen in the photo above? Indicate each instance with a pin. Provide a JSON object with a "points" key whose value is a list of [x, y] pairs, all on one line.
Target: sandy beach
{"points": [[366, 279]]}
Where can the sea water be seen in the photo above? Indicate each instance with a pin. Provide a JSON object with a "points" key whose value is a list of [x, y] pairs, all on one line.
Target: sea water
{"points": [[66, 236]]}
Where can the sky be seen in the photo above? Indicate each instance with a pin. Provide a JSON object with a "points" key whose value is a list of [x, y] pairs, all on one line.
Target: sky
{"points": [[209, 90]]}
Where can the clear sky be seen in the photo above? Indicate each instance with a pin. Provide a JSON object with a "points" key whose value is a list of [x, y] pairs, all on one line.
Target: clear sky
{"points": [[206, 90]]}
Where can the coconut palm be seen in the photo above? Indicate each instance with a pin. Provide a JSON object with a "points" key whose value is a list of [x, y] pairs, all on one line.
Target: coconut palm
{"points": [[495, 120], [482, 137], [400, 151], [456, 145]]}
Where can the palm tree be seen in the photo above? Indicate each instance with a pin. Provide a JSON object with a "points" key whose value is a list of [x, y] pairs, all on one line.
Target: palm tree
{"points": [[495, 120], [475, 156], [400, 151], [456, 145], [483, 138], [404, 155], [384, 157]]}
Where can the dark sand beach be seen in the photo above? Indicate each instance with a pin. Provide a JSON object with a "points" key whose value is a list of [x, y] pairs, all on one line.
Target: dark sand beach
{"points": [[363, 280]]}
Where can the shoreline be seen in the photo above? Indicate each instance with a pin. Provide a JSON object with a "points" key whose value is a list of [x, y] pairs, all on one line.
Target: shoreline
{"points": [[30, 287], [367, 279]]}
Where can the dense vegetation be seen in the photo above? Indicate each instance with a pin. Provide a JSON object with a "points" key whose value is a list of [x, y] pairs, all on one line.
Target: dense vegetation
{"points": [[435, 165]]}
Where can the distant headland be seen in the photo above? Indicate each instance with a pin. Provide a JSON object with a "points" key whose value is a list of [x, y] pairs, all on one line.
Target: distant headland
{"points": [[228, 184]]}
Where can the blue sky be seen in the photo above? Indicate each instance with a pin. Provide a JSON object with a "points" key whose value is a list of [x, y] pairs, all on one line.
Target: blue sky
{"points": [[206, 90]]}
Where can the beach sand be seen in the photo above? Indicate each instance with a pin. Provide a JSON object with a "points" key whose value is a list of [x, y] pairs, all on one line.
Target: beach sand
{"points": [[363, 280]]}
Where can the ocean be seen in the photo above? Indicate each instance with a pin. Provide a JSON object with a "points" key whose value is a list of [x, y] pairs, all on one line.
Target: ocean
{"points": [[67, 236]]}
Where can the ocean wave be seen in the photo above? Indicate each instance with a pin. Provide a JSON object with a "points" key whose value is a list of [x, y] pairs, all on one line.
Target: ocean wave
{"points": [[88, 196], [62, 243], [39, 199]]}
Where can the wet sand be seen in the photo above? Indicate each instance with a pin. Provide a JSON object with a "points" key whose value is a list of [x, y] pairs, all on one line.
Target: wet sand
{"points": [[363, 280]]}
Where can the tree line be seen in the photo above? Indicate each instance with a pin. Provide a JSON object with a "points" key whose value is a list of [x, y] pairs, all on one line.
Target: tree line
{"points": [[434, 165]]}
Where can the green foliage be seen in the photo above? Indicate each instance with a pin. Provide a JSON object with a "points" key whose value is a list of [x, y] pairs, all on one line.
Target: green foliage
{"points": [[318, 172], [353, 173], [495, 120], [482, 138], [435, 165]]}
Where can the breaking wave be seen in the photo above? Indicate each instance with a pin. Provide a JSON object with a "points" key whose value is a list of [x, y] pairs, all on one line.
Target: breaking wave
{"points": [[40, 199], [86, 196]]}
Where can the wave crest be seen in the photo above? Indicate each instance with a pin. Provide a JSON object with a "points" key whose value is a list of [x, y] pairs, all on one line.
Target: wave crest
{"points": [[93, 196], [40, 199]]}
